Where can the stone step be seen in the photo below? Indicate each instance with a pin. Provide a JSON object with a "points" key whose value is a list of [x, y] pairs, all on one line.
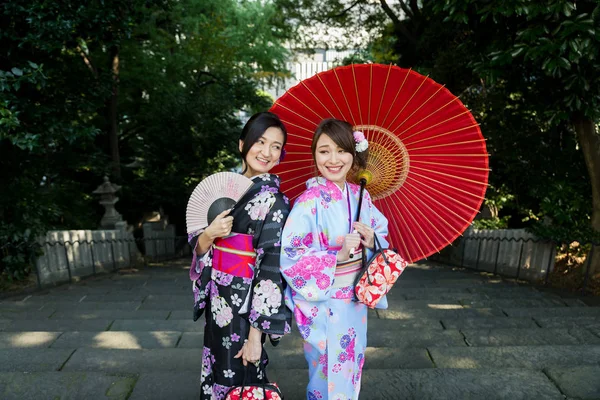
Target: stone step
{"points": [[28, 340], [533, 357], [451, 384], [118, 340], [179, 359], [577, 382], [488, 323], [66, 385], [528, 337], [113, 314], [33, 360], [426, 384], [453, 313], [58, 325], [400, 338], [554, 312]]}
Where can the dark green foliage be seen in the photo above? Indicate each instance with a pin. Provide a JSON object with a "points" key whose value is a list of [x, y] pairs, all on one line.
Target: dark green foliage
{"points": [[185, 71]]}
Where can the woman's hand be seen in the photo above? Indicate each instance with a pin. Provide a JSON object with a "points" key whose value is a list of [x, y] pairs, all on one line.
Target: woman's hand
{"points": [[367, 234], [252, 348], [221, 226], [351, 241]]}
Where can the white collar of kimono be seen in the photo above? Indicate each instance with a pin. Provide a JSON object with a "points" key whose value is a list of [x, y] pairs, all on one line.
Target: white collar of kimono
{"points": [[319, 180]]}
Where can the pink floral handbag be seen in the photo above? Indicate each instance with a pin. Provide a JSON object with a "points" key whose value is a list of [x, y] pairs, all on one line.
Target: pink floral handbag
{"points": [[378, 275]]}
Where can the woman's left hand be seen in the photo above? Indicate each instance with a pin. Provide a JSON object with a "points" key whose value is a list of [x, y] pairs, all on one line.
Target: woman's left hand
{"points": [[367, 234], [251, 350]]}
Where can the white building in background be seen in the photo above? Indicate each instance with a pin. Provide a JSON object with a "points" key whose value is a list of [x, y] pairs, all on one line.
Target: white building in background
{"points": [[307, 64]]}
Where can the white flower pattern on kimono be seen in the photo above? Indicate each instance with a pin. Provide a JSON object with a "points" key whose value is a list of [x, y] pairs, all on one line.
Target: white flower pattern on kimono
{"points": [[236, 300], [277, 216], [227, 373], [221, 311], [267, 297]]}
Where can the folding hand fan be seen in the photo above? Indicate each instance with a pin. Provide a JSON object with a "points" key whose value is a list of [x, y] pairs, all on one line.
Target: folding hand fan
{"points": [[427, 157], [212, 196]]}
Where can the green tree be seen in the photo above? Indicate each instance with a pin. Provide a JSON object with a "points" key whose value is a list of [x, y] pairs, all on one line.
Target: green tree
{"points": [[148, 91], [554, 45]]}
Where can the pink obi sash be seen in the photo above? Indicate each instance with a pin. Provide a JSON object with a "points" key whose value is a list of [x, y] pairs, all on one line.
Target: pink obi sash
{"points": [[235, 255], [346, 272]]}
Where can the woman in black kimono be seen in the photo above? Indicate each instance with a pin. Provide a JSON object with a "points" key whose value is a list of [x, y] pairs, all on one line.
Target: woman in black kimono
{"points": [[243, 300]]}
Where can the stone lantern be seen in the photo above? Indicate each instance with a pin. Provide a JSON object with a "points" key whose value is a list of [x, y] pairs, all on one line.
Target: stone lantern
{"points": [[111, 218]]}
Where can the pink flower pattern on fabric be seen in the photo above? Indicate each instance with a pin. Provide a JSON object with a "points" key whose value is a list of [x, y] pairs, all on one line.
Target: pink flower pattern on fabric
{"points": [[313, 266]]}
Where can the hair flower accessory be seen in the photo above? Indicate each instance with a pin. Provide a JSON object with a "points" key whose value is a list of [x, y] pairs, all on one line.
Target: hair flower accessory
{"points": [[361, 143]]}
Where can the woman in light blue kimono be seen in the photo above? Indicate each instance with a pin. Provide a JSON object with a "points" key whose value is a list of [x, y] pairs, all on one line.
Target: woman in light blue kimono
{"points": [[320, 260]]}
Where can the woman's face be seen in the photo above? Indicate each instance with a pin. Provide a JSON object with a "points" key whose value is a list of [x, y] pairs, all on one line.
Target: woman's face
{"points": [[264, 153], [333, 162]]}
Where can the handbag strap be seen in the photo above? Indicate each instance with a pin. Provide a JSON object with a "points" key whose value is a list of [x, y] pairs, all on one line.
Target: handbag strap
{"points": [[262, 383]]}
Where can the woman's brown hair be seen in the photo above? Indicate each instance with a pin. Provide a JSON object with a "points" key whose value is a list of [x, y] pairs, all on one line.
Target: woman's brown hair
{"points": [[342, 134]]}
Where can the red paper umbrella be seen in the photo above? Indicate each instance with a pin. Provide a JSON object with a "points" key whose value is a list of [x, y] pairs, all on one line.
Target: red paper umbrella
{"points": [[427, 156]]}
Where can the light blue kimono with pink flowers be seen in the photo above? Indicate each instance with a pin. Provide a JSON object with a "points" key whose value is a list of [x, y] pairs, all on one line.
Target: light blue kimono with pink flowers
{"points": [[332, 324]]}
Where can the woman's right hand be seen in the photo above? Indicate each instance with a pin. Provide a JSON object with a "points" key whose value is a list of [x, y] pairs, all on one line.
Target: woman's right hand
{"points": [[221, 226], [351, 241]]}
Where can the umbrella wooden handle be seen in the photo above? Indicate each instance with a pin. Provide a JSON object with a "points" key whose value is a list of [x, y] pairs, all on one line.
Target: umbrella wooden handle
{"points": [[351, 255]]}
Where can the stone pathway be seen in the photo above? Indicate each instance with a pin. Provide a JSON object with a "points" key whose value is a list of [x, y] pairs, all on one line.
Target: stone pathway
{"points": [[448, 334]]}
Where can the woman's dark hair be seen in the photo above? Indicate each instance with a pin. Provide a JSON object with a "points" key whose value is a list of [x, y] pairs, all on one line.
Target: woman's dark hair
{"points": [[255, 128], [342, 134]]}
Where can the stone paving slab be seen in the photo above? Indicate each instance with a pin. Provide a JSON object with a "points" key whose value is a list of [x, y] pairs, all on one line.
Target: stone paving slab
{"points": [[568, 322], [488, 323], [408, 338], [452, 384], [33, 360], [444, 296], [440, 313], [179, 359], [525, 337], [4, 323], [115, 297], [594, 328], [534, 357], [517, 303], [157, 325], [18, 306], [135, 361], [167, 386], [118, 340], [38, 314], [14, 340], [111, 314], [195, 340], [376, 325], [577, 382], [396, 303], [65, 386], [59, 325], [185, 315], [554, 312], [92, 306]]}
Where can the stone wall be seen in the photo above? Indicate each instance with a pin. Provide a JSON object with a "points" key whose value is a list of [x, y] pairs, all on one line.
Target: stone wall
{"points": [[69, 255], [508, 252]]}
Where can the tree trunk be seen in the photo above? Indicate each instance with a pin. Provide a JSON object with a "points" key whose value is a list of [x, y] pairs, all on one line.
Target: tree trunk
{"points": [[113, 133], [589, 140]]}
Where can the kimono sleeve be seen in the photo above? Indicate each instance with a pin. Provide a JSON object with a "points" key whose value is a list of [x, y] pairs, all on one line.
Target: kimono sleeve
{"points": [[306, 264], [199, 275], [268, 311]]}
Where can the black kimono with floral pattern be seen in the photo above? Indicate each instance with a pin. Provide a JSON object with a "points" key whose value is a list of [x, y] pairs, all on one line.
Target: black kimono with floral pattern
{"points": [[231, 303]]}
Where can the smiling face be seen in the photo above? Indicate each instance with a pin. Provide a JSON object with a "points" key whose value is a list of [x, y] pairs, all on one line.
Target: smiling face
{"points": [[332, 161], [264, 153]]}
